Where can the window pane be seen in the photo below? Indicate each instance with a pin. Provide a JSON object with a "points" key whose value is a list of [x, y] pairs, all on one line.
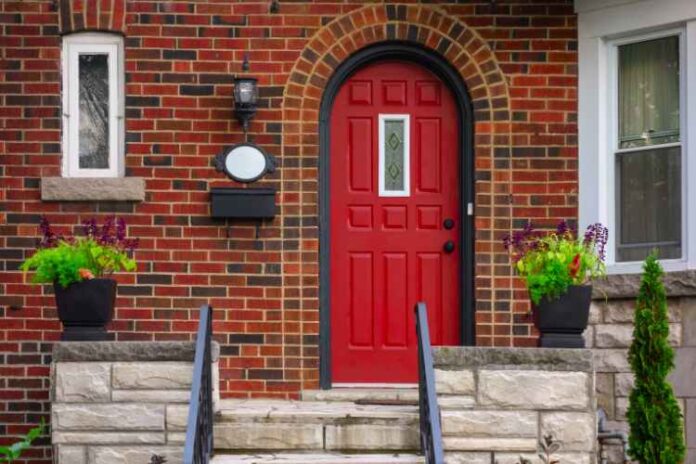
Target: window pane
{"points": [[649, 204], [94, 111], [649, 92], [394, 154]]}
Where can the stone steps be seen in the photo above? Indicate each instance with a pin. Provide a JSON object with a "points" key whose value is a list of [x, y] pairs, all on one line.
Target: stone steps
{"points": [[318, 458], [268, 425], [357, 425]]}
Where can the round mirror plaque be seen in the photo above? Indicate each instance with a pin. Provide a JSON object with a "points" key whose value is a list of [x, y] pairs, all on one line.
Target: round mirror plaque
{"points": [[245, 162]]}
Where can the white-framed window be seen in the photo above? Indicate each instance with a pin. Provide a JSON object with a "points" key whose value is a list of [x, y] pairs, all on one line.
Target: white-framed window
{"points": [[637, 121], [93, 105], [647, 147], [394, 155]]}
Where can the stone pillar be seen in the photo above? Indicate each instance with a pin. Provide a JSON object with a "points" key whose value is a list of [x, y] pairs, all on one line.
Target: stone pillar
{"points": [[121, 402], [498, 403]]}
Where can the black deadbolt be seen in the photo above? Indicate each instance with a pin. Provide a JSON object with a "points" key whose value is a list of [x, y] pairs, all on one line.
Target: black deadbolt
{"points": [[448, 246], [448, 224]]}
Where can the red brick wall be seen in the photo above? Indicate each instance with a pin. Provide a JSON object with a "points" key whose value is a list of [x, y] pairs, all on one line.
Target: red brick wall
{"points": [[518, 59]]}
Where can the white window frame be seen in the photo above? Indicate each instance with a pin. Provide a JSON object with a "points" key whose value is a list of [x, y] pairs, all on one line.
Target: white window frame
{"points": [[382, 119], [87, 43], [613, 143], [602, 25]]}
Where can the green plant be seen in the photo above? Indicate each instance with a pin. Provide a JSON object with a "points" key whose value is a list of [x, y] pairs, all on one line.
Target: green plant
{"points": [[656, 435], [14, 451], [550, 263], [548, 446], [101, 252]]}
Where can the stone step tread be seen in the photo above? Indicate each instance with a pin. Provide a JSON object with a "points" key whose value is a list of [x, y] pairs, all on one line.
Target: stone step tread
{"points": [[354, 394], [265, 410], [346, 435], [317, 458]]}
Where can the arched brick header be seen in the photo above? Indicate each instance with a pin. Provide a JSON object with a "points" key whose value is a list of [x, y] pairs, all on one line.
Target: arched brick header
{"points": [[470, 55], [425, 25], [92, 15]]}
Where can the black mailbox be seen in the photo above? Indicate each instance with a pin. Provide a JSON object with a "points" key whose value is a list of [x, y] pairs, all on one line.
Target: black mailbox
{"points": [[241, 203]]}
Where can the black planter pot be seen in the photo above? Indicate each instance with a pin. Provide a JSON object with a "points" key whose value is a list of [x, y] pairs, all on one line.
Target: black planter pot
{"points": [[562, 321], [85, 308]]}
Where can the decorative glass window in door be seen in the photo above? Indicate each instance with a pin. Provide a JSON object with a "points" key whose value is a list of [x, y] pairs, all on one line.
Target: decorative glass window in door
{"points": [[394, 155]]}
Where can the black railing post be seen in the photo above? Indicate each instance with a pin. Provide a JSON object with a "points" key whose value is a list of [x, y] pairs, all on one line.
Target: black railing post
{"points": [[198, 447], [430, 427]]}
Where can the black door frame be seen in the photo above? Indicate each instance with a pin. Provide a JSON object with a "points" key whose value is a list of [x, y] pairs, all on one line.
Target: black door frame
{"points": [[405, 51]]}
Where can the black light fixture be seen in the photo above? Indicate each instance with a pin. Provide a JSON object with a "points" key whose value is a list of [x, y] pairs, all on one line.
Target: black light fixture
{"points": [[246, 96]]}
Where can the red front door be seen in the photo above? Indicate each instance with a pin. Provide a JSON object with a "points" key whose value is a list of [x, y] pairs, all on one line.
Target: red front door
{"points": [[395, 203]]}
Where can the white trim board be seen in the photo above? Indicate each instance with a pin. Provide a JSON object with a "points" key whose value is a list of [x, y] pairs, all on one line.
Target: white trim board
{"points": [[610, 18]]}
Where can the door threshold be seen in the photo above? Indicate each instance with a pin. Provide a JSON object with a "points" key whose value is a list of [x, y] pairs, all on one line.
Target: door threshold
{"points": [[374, 385]]}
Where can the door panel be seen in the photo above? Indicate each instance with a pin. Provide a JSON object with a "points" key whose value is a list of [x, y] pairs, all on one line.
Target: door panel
{"points": [[361, 300], [386, 250]]}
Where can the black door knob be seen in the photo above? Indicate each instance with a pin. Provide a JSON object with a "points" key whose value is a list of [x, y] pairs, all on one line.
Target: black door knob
{"points": [[448, 224], [448, 247]]}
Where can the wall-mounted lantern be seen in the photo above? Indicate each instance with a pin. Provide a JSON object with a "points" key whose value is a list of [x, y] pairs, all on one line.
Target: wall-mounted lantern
{"points": [[246, 96]]}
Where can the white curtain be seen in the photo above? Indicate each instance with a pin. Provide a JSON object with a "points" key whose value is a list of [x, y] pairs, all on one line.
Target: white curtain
{"points": [[649, 92]]}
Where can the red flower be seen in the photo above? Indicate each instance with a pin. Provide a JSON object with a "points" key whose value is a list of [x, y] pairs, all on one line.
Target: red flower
{"points": [[574, 266], [85, 274]]}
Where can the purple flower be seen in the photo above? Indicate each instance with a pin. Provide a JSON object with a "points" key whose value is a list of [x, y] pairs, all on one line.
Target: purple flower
{"points": [[521, 241], [49, 239], [507, 242], [562, 228], [602, 242], [111, 233], [596, 236], [106, 237], [89, 227], [120, 230]]}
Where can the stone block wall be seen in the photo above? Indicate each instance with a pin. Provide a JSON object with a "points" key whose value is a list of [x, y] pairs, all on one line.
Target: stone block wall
{"points": [[609, 336], [120, 402], [497, 403]]}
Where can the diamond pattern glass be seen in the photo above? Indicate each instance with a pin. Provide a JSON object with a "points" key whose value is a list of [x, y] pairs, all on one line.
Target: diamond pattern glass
{"points": [[394, 155]]}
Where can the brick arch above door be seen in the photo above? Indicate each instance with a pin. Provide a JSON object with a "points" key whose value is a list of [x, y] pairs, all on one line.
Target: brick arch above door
{"points": [[425, 25], [429, 28]]}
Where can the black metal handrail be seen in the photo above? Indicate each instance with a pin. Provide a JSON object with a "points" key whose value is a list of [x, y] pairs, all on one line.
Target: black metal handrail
{"points": [[198, 447], [430, 427]]}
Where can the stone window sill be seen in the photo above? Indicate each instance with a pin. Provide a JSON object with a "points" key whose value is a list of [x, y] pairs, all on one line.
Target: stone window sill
{"points": [[615, 286], [92, 189]]}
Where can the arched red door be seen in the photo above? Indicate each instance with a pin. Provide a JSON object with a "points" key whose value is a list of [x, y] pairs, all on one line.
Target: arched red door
{"points": [[395, 226]]}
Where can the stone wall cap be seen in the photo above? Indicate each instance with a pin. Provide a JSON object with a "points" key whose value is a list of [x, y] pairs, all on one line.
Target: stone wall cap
{"points": [[127, 351], [554, 359], [677, 283]]}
